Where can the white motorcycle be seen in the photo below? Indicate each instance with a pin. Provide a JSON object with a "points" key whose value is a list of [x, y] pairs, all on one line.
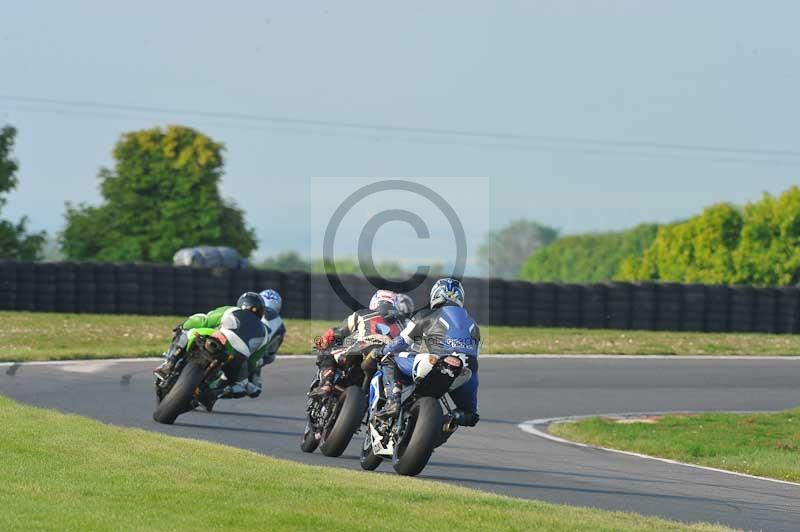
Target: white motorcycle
{"points": [[426, 419]]}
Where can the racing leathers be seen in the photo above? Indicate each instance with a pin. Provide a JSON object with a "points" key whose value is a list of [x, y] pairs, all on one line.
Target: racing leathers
{"points": [[355, 327], [276, 331], [440, 331], [247, 343]]}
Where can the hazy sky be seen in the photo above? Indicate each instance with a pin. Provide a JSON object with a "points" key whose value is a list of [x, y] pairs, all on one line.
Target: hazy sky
{"points": [[582, 115]]}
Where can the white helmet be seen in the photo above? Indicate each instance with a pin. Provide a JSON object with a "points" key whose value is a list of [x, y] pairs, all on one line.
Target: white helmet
{"points": [[405, 305], [272, 303], [445, 290], [382, 296]]}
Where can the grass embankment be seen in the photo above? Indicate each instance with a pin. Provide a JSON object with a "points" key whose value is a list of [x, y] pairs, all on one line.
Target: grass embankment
{"points": [[28, 336], [766, 445], [65, 472]]}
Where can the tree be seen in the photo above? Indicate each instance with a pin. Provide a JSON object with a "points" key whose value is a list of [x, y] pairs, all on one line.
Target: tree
{"points": [[286, 261], [15, 241], [587, 258], [386, 269], [162, 195], [699, 250], [769, 249], [503, 252]]}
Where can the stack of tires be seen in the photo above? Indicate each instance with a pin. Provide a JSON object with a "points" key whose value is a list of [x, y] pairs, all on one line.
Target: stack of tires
{"points": [[593, 305]]}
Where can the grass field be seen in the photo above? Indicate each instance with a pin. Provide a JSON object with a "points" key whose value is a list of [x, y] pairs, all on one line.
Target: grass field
{"points": [[65, 472], [51, 336], [758, 444]]}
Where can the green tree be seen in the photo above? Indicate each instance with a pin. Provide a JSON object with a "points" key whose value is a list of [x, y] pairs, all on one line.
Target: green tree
{"points": [[162, 195], [387, 269], [15, 241], [587, 258], [286, 261], [699, 250], [503, 252], [769, 249]]}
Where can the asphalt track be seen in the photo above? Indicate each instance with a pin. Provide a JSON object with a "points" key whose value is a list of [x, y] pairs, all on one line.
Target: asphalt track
{"points": [[496, 455]]}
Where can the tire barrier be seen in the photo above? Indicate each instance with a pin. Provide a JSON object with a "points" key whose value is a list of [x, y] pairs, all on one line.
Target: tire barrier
{"points": [[157, 289]]}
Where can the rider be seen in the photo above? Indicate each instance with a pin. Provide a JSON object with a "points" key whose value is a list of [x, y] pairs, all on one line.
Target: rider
{"points": [[380, 318], [405, 306], [443, 327], [275, 333], [240, 317]]}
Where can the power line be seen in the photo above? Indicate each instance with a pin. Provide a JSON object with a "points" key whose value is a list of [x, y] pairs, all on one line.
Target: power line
{"points": [[394, 128]]}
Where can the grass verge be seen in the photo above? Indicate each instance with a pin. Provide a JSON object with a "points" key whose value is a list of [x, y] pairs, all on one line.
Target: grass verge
{"points": [[766, 445], [65, 472], [29, 336]]}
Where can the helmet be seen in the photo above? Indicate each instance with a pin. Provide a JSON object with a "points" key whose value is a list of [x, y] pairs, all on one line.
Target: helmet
{"points": [[405, 305], [252, 302], [445, 290], [382, 296], [272, 303], [385, 303]]}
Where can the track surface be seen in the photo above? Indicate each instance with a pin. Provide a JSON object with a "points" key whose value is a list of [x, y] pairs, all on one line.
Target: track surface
{"points": [[496, 455]]}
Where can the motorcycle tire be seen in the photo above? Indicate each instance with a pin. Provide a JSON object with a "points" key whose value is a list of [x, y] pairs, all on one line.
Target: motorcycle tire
{"points": [[412, 453], [368, 460], [179, 398], [352, 405]]}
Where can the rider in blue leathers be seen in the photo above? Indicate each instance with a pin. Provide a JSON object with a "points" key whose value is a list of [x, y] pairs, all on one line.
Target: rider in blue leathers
{"points": [[443, 328]]}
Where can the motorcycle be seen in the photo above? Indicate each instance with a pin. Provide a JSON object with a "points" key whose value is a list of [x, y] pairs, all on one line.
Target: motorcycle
{"points": [[197, 374], [333, 419], [426, 419]]}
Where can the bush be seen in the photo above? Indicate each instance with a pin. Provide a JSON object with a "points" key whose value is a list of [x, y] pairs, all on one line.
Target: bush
{"points": [[587, 258]]}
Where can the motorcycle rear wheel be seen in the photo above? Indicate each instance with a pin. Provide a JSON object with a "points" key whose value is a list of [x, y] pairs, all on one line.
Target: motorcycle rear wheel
{"points": [[179, 398], [411, 455], [352, 405]]}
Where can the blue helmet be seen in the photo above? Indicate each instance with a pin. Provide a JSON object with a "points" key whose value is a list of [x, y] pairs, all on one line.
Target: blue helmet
{"points": [[445, 290], [272, 303]]}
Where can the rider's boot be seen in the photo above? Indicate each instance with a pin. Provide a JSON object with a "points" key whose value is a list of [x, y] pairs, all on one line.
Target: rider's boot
{"points": [[254, 384], [392, 407], [235, 390]]}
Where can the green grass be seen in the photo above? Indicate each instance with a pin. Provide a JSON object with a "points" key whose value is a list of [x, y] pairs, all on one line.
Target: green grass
{"points": [[758, 444], [65, 472], [28, 336]]}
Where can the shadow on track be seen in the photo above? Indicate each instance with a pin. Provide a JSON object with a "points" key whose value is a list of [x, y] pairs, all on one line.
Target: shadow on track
{"points": [[239, 429], [264, 416]]}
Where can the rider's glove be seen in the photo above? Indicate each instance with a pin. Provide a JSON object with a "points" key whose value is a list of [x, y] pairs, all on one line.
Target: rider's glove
{"points": [[325, 341]]}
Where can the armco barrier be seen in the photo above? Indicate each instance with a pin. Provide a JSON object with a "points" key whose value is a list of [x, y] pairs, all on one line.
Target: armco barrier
{"points": [[167, 290]]}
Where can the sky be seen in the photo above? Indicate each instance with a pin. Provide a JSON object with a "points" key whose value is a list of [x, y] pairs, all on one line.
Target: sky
{"points": [[586, 116]]}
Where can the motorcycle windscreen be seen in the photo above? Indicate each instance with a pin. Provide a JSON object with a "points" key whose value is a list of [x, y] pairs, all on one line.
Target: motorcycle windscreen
{"points": [[245, 332]]}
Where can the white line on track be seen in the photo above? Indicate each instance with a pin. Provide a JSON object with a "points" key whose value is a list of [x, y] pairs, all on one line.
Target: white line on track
{"points": [[720, 358], [530, 428]]}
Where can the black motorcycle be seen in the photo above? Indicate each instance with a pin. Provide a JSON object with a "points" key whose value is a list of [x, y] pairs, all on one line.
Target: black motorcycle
{"points": [[334, 418]]}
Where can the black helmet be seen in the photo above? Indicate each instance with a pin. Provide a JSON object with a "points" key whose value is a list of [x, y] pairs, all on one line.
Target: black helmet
{"points": [[252, 302], [387, 311]]}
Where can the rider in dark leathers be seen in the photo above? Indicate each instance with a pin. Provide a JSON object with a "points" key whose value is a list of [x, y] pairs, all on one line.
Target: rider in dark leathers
{"points": [[379, 319], [443, 327]]}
